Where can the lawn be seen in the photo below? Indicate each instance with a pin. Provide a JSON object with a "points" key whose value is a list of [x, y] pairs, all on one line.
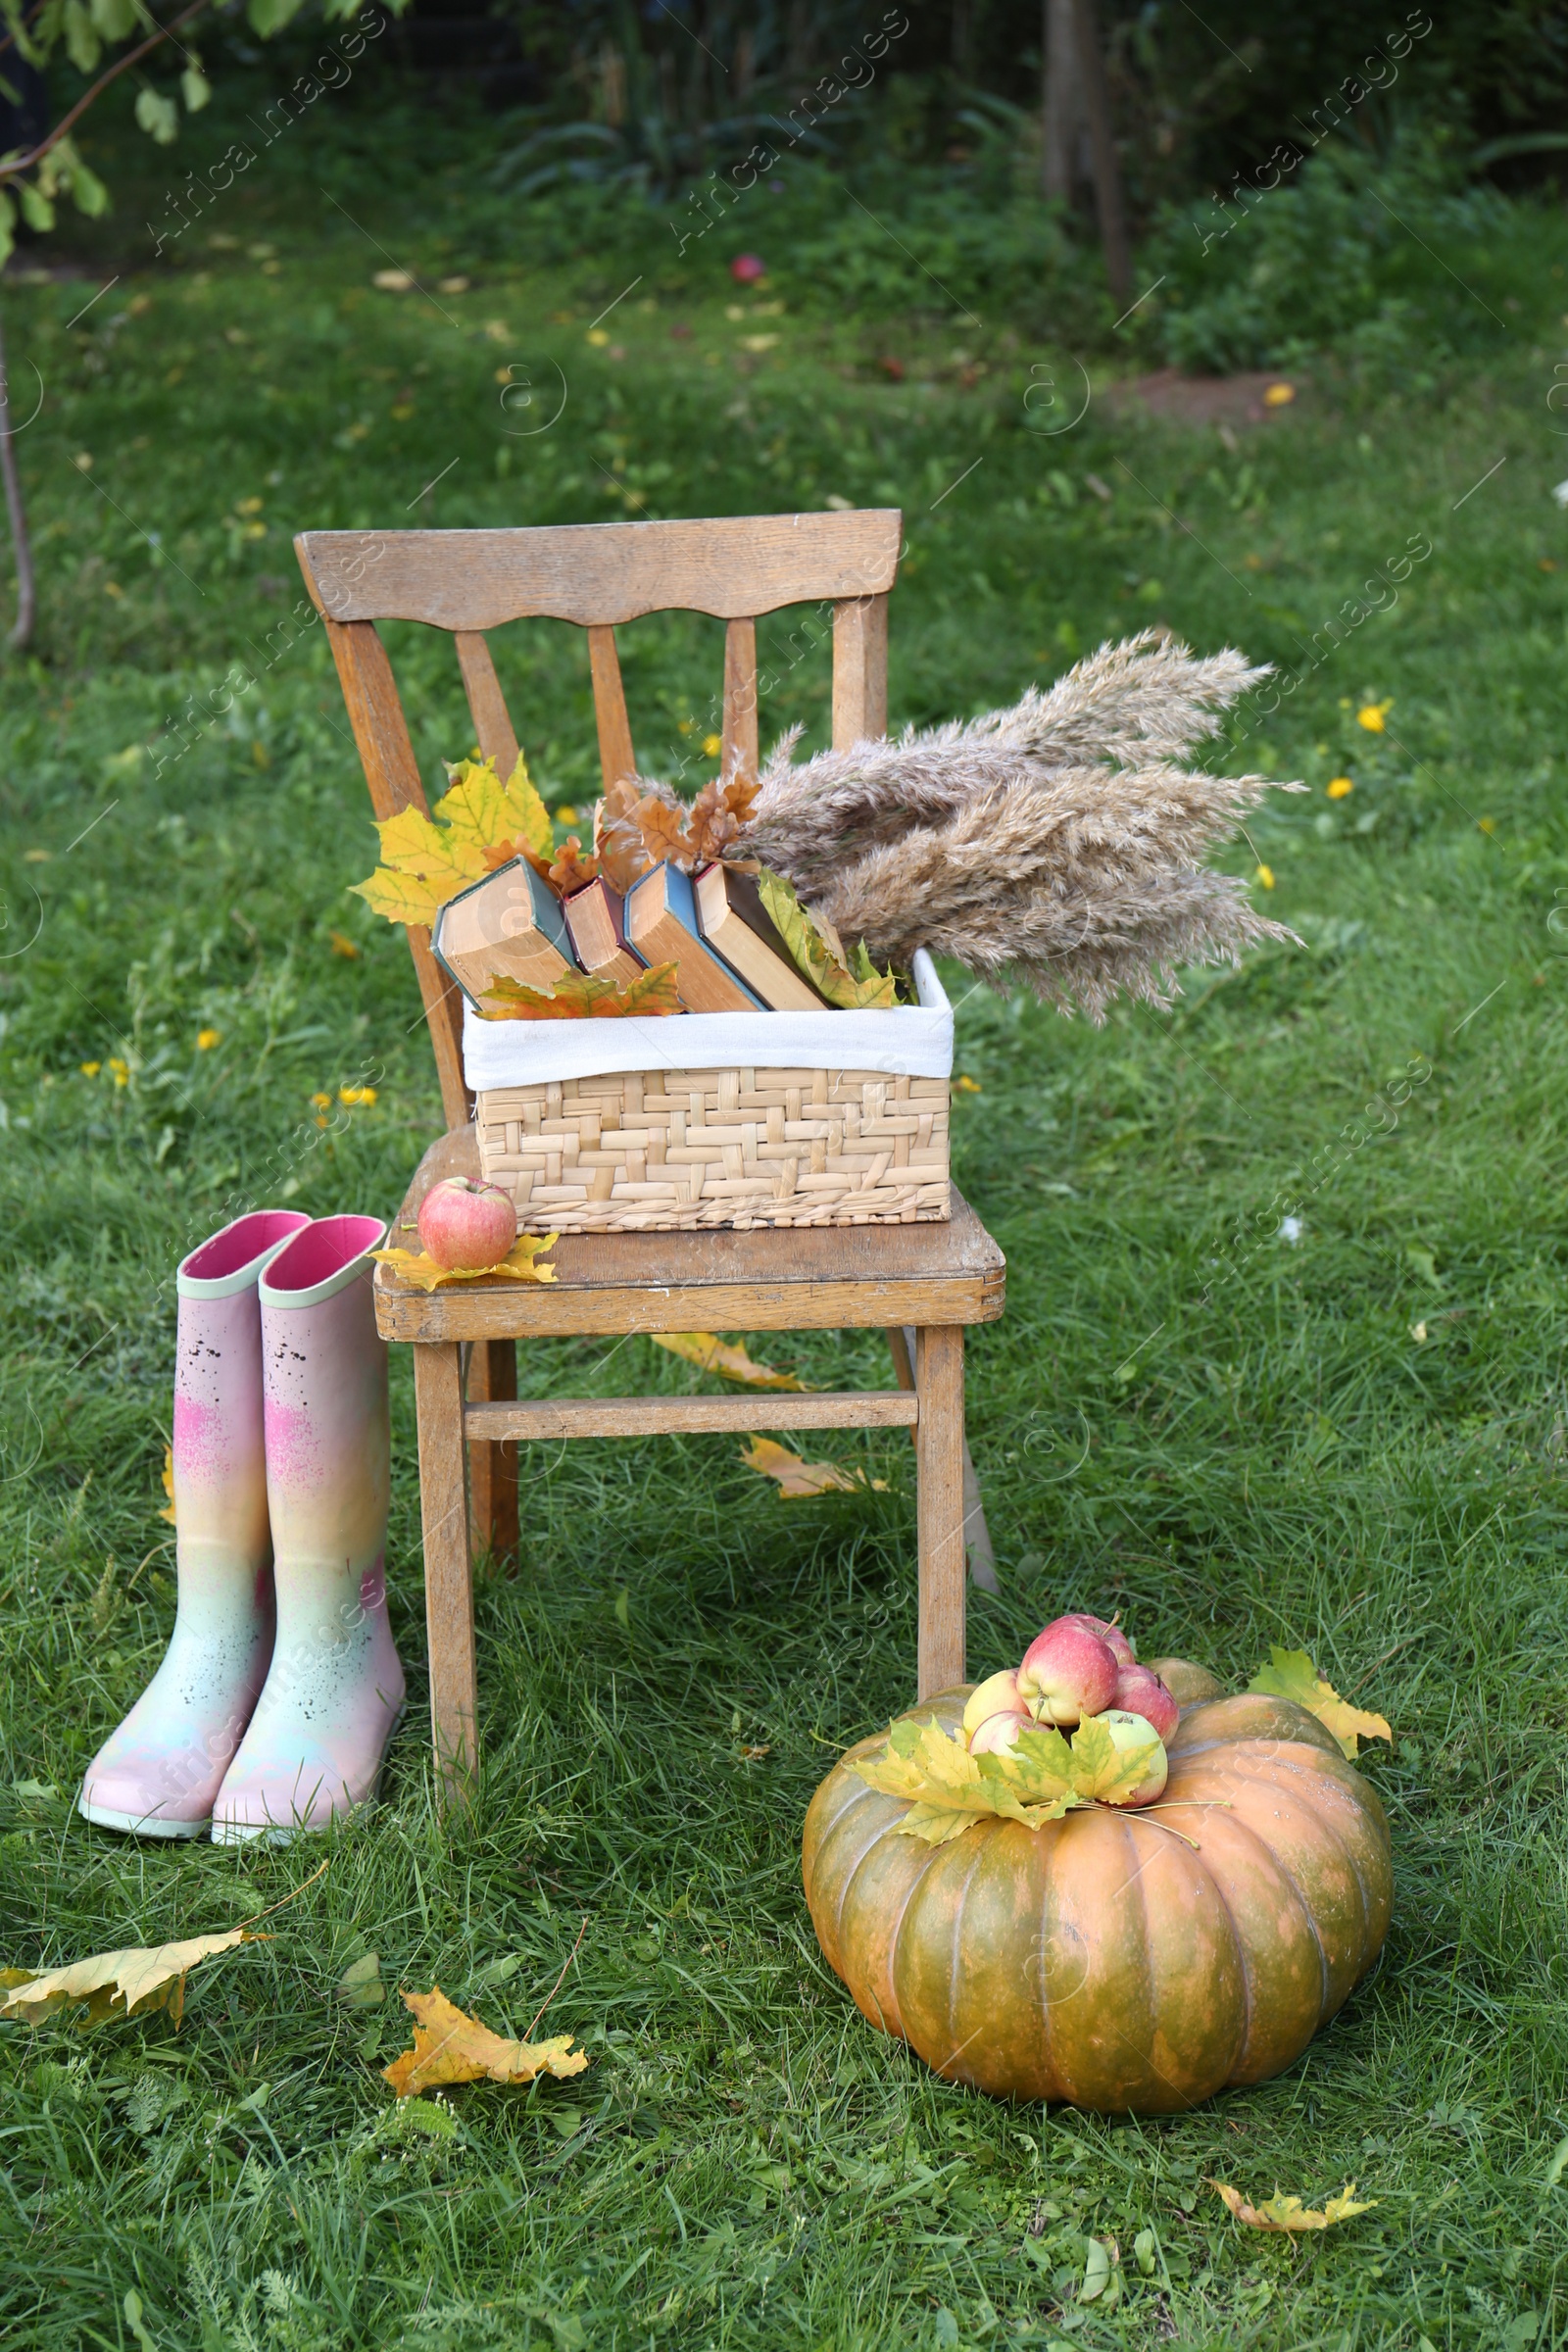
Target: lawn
{"points": [[1282, 1362]]}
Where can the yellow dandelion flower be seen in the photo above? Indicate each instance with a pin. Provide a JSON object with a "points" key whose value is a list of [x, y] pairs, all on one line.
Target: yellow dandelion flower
{"points": [[598, 336], [356, 1097], [1339, 788], [1488, 824], [1374, 716], [343, 946], [566, 817], [206, 1039], [713, 745], [320, 1120], [322, 1101], [90, 1070], [967, 1085], [1265, 875], [119, 1070], [1279, 396]]}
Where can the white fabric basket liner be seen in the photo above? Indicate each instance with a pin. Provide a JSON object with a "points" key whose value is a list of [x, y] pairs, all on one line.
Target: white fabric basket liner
{"points": [[913, 1041]]}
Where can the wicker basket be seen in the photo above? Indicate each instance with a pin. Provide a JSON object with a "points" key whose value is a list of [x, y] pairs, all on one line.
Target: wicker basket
{"points": [[635, 1151]]}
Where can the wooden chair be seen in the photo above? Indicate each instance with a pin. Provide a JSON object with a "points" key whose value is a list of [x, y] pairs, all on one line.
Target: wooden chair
{"points": [[920, 1281]]}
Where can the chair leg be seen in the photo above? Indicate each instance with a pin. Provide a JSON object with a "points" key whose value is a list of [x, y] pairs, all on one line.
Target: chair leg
{"points": [[977, 1544], [447, 1578], [939, 1456], [493, 1466]]}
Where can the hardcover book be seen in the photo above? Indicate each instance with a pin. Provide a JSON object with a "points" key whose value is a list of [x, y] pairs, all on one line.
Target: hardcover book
{"points": [[660, 926], [509, 926], [738, 927], [594, 925]]}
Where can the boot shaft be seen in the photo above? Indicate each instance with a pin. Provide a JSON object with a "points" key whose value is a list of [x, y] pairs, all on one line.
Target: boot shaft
{"points": [[219, 1460], [327, 1430]]}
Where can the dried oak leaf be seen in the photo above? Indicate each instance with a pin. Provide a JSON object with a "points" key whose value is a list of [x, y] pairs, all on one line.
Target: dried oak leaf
{"points": [[796, 1477], [712, 823], [664, 834], [580, 997], [571, 871], [1291, 1674], [1289, 2213], [618, 838], [450, 2048], [710, 1354], [114, 1984], [519, 1265]]}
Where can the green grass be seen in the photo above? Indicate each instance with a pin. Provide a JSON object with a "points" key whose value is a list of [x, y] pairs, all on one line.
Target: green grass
{"points": [[1234, 1438]]}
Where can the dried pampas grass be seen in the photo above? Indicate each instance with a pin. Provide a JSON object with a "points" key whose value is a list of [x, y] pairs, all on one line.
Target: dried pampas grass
{"points": [[1054, 844]]}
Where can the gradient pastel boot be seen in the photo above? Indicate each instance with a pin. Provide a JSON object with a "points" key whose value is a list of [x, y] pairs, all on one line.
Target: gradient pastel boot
{"points": [[158, 1774], [335, 1690]]}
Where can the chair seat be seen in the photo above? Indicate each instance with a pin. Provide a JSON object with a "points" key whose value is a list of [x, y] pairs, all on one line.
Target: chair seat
{"points": [[815, 1278]]}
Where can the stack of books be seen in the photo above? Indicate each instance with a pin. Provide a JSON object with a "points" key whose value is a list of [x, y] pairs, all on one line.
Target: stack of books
{"points": [[712, 926]]}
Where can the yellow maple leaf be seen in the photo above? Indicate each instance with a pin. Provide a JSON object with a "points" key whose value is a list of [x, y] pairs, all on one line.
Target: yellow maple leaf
{"points": [[480, 810], [1102, 1770], [168, 1484], [583, 996], [399, 897], [1291, 1674], [114, 1984], [1289, 2213], [710, 1354], [451, 2047], [820, 958], [797, 1477], [519, 1264], [949, 1790]]}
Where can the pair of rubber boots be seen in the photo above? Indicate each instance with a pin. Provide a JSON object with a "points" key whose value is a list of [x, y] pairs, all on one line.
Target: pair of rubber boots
{"points": [[272, 1708]]}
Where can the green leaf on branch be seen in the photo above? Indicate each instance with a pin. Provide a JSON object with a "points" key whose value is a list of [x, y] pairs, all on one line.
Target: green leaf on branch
{"points": [[84, 46], [267, 17], [195, 88], [158, 117], [36, 208], [114, 18]]}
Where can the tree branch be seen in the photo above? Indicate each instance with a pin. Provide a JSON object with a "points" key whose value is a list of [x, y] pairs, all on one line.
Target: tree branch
{"points": [[27, 162]]}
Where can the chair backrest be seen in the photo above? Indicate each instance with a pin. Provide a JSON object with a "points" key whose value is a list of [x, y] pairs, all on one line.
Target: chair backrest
{"points": [[595, 576]]}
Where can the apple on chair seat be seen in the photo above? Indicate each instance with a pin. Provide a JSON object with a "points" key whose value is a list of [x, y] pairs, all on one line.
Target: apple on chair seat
{"points": [[465, 1226]]}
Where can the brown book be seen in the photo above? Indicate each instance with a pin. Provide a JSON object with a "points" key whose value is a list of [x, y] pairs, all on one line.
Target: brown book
{"points": [[594, 926], [509, 926], [737, 925], [661, 921]]}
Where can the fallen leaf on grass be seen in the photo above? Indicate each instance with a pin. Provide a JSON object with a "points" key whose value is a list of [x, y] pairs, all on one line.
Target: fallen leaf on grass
{"points": [[796, 1477], [1289, 2213], [359, 1987], [114, 1985], [416, 1266], [581, 996], [710, 1354], [1291, 1674], [450, 2048]]}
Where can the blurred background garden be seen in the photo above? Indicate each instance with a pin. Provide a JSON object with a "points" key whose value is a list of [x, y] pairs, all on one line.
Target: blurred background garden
{"points": [[1249, 324]]}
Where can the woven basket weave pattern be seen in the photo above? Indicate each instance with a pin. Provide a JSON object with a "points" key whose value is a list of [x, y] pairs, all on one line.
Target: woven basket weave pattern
{"points": [[672, 1149]]}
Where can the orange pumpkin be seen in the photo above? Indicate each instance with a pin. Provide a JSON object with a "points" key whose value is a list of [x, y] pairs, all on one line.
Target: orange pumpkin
{"points": [[1100, 1960]]}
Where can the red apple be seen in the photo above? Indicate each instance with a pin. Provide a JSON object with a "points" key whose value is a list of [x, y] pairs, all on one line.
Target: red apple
{"points": [[1134, 1731], [747, 268], [1067, 1673], [1116, 1642], [997, 1695], [999, 1732], [465, 1226], [1141, 1693]]}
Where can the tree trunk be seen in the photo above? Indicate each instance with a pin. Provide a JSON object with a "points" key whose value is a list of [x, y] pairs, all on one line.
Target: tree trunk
{"points": [[22, 630], [1103, 146], [1062, 105]]}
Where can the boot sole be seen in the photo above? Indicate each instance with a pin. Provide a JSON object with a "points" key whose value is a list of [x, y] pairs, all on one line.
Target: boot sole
{"points": [[141, 1825]]}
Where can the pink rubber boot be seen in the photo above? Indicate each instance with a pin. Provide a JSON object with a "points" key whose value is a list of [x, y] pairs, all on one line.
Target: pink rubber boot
{"points": [[335, 1690], [158, 1774]]}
